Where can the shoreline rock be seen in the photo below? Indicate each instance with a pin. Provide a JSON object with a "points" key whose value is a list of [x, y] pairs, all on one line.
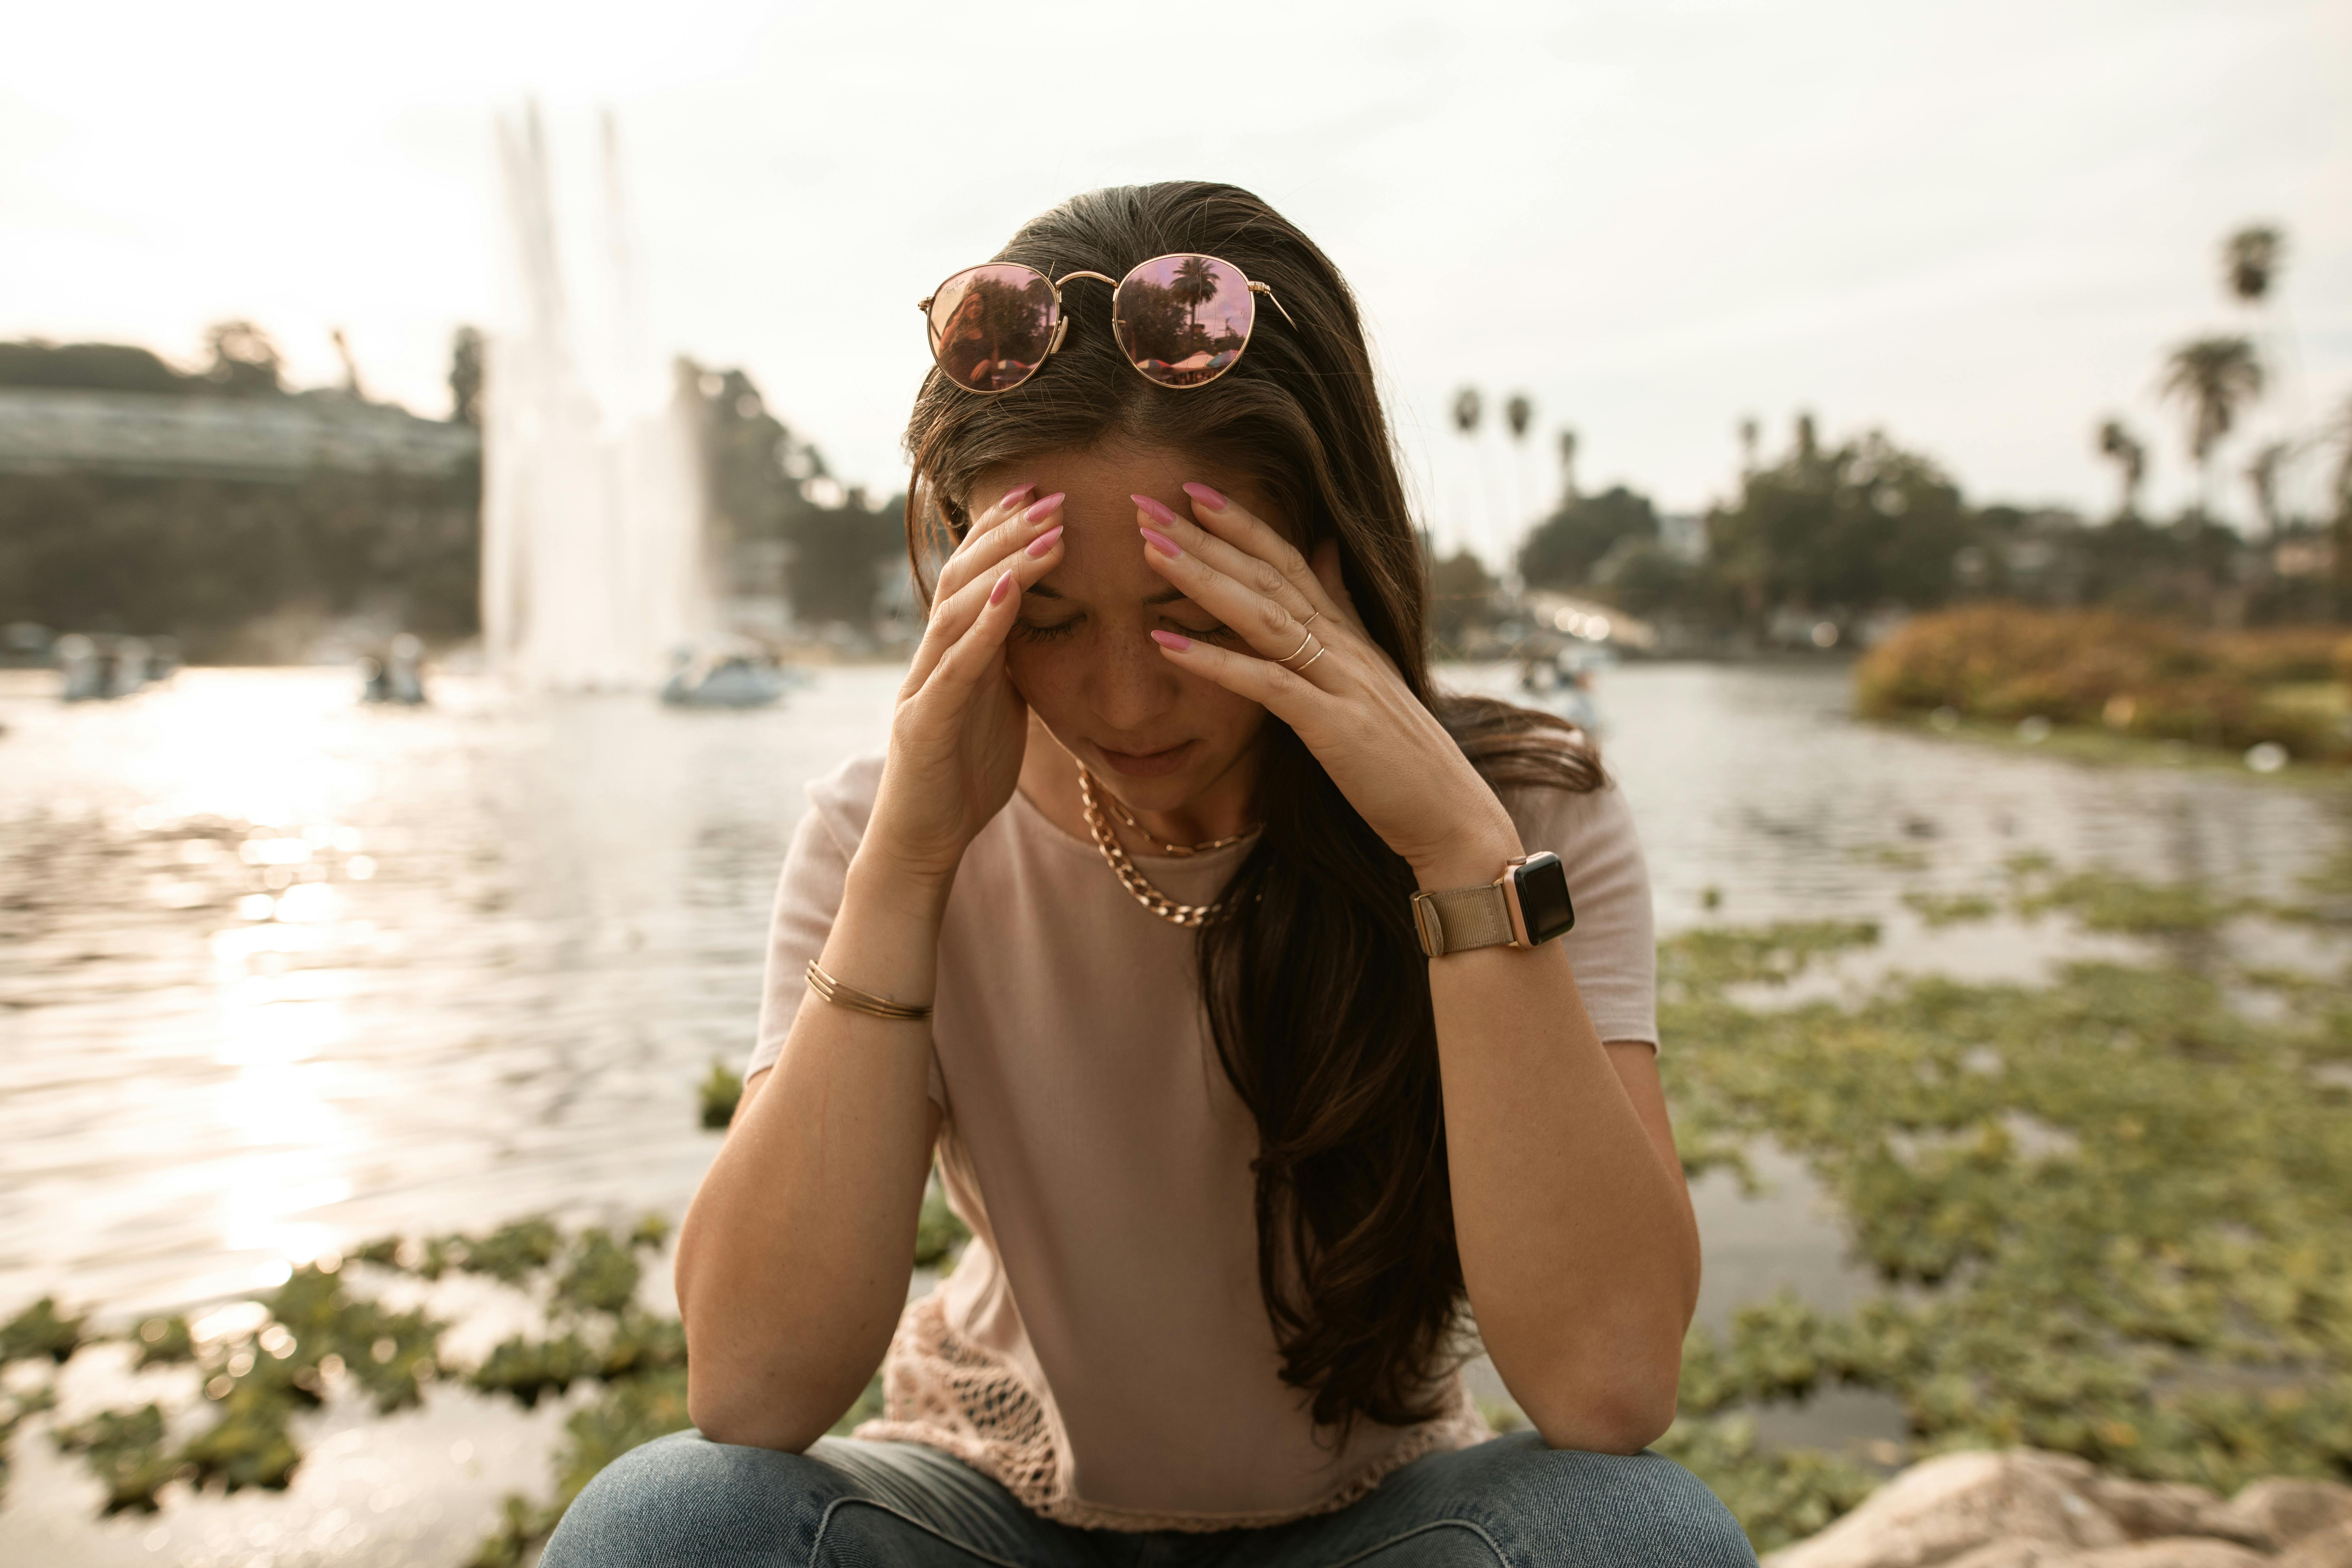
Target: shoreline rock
{"points": [[2026, 1509]]}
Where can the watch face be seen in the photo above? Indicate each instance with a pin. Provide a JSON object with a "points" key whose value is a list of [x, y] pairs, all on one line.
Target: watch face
{"points": [[1542, 885]]}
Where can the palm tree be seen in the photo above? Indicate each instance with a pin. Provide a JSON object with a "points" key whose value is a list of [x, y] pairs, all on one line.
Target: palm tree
{"points": [[1195, 285], [2262, 479], [2130, 457], [1469, 408], [1567, 465], [2342, 525], [2215, 377], [1519, 413], [2250, 261]]}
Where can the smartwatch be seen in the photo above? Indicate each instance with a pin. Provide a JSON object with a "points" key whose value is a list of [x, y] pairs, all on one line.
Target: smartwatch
{"points": [[1526, 905]]}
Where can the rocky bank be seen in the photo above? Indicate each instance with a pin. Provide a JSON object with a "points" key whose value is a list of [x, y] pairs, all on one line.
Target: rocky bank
{"points": [[2024, 1509]]}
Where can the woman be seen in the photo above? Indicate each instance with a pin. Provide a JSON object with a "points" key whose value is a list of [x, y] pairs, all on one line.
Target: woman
{"points": [[1126, 930]]}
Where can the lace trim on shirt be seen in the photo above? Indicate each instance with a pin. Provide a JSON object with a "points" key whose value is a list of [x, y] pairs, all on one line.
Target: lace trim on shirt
{"points": [[941, 1390]]}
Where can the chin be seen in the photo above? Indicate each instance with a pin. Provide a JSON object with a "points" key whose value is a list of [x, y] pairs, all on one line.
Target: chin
{"points": [[1143, 790]]}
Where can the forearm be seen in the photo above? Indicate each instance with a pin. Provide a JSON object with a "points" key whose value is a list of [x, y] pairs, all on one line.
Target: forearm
{"points": [[1578, 1244], [793, 1257]]}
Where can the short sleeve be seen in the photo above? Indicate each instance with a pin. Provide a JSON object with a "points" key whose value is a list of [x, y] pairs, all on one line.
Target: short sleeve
{"points": [[808, 897], [1613, 947]]}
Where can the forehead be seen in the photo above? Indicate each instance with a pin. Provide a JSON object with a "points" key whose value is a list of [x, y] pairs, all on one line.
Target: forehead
{"points": [[1102, 555]]}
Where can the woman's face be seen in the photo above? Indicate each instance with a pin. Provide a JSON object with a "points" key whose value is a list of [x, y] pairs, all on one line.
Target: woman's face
{"points": [[1081, 654]]}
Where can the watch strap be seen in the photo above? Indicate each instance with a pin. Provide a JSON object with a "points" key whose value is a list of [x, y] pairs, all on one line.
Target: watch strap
{"points": [[1462, 918]]}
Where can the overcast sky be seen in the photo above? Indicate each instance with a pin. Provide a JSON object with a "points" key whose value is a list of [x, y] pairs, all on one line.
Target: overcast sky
{"points": [[1979, 226]]}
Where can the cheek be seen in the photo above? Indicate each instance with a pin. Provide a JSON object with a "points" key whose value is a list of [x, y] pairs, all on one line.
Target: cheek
{"points": [[1236, 718], [1044, 673]]}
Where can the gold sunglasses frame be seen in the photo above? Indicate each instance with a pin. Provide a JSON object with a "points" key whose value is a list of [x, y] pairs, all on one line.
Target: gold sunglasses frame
{"points": [[1062, 317]]}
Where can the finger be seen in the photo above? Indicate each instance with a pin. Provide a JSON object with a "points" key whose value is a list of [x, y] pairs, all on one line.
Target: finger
{"points": [[974, 654], [1326, 565], [1262, 577], [1264, 622], [1245, 530], [995, 533], [1026, 539], [956, 615], [1290, 698]]}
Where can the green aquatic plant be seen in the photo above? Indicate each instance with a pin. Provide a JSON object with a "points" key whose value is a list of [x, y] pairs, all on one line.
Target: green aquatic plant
{"points": [[1941, 909], [939, 1233], [2104, 900], [721, 1092], [163, 1342], [40, 1332], [125, 1450], [2108, 1210], [2105, 1211]]}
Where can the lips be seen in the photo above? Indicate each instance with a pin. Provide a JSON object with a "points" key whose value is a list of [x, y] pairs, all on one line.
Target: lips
{"points": [[1149, 764]]}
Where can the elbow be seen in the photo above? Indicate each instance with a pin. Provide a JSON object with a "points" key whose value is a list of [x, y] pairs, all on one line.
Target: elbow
{"points": [[721, 1412], [1607, 1399], [1612, 1421]]}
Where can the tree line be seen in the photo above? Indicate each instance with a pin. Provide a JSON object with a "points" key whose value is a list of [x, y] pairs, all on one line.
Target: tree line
{"points": [[234, 568], [1824, 538]]}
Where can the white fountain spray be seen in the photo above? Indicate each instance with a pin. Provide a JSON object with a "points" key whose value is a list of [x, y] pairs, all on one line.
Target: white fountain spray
{"points": [[593, 563]]}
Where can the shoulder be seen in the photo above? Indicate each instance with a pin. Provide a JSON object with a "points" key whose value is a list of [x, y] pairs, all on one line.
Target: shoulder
{"points": [[1576, 825], [841, 800]]}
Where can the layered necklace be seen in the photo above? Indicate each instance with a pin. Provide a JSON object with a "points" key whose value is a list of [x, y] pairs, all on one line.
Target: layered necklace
{"points": [[1129, 876]]}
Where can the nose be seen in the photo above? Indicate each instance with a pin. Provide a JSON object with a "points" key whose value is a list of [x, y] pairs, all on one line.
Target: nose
{"points": [[1129, 684]]}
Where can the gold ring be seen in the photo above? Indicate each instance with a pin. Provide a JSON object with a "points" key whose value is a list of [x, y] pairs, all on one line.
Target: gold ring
{"points": [[1305, 637], [1311, 620], [1310, 663]]}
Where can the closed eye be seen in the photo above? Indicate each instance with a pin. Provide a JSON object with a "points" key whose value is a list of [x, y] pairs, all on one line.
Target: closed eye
{"points": [[1030, 631], [1033, 633]]}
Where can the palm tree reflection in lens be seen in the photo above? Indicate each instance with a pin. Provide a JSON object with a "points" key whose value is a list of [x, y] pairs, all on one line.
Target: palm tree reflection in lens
{"points": [[1159, 322]]}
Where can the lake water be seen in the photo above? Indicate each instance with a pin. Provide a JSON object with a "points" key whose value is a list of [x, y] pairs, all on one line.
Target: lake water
{"points": [[278, 972]]}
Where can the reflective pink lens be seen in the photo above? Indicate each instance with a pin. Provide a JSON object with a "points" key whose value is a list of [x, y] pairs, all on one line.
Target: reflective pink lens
{"points": [[1183, 320], [991, 326]]}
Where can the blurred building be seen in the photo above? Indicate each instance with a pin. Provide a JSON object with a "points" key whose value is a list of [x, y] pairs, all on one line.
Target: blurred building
{"points": [[247, 520], [49, 430]]}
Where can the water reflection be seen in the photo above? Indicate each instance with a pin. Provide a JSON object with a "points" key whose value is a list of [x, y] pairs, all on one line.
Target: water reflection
{"points": [[1183, 320], [992, 326], [278, 972]]}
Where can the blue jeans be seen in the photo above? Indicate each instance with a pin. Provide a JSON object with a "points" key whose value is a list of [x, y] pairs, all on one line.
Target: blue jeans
{"points": [[686, 1502]]}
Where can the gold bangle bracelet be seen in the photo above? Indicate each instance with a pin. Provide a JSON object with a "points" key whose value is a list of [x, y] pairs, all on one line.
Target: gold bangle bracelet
{"points": [[857, 1001]]}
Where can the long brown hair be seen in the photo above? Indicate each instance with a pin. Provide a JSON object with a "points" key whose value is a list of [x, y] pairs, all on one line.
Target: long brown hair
{"points": [[1316, 992]]}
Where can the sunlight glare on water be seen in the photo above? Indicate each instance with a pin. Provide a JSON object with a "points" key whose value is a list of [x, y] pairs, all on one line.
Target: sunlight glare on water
{"points": [[280, 972]]}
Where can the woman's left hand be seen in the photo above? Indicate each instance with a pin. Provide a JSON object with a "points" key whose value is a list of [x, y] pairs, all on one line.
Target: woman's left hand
{"points": [[1318, 671]]}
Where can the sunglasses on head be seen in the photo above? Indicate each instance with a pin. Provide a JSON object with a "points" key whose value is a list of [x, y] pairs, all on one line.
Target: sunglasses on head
{"points": [[1182, 321]]}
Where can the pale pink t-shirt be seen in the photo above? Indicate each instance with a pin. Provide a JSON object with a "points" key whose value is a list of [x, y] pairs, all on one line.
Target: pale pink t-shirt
{"points": [[1101, 1348]]}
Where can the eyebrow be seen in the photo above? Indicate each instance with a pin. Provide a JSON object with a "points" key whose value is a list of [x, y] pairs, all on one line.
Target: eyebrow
{"points": [[1165, 595]]}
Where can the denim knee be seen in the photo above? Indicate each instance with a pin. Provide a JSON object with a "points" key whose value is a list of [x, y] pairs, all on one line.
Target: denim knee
{"points": [[685, 1499], [1544, 1505]]}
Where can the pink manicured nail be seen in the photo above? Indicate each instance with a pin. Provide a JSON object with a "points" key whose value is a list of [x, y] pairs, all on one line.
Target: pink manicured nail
{"points": [[1044, 541], [1161, 542], [1043, 509], [1206, 497], [1004, 586], [1172, 641], [1154, 510], [1014, 497]]}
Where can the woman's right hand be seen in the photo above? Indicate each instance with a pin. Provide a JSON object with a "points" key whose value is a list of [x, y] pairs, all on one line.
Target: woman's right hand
{"points": [[958, 734]]}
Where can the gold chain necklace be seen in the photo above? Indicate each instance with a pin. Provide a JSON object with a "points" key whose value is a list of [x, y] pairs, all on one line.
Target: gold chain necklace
{"points": [[1129, 877], [1127, 819]]}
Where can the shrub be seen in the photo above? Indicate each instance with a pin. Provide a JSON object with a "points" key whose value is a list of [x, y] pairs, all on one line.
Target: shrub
{"points": [[2155, 678]]}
